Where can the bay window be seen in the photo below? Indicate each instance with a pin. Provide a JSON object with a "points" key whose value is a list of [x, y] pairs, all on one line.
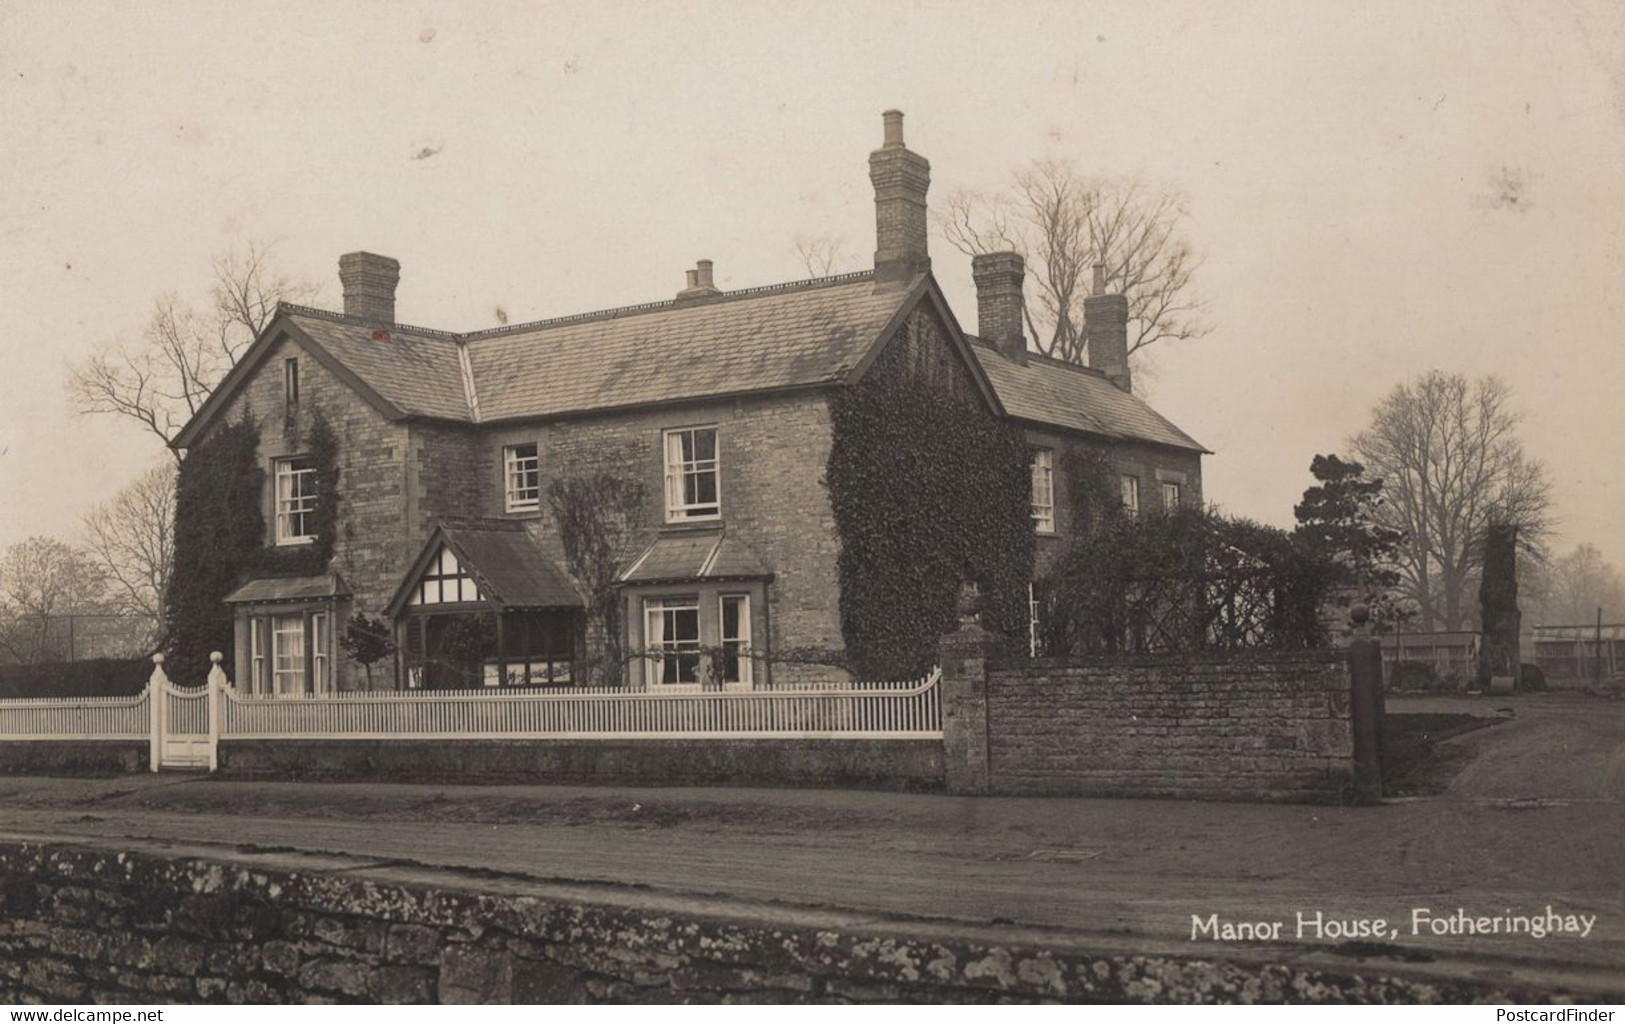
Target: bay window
{"points": [[672, 631]]}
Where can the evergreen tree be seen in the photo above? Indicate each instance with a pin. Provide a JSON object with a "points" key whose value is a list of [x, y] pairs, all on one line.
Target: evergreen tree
{"points": [[1338, 523]]}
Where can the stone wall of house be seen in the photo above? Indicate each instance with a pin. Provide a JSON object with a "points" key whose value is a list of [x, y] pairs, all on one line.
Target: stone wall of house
{"points": [[772, 453], [1254, 725], [1149, 463], [371, 549], [82, 924]]}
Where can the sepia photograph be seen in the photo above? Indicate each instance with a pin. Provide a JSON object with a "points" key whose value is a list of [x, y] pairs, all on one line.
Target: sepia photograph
{"points": [[882, 502]]}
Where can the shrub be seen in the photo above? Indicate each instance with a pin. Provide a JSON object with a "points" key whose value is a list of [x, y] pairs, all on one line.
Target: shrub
{"points": [[92, 677]]}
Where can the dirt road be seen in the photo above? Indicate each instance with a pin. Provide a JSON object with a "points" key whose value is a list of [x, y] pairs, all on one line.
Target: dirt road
{"points": [[1533, 820]]}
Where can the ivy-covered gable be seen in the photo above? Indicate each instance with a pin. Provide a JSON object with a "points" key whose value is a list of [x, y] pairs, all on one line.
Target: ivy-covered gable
{"points": [[929, 488]]}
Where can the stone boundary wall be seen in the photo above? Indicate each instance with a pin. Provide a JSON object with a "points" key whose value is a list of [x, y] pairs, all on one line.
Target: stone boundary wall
{"points": [[1256, 727], [84, 924], [74, 757], [889, 764], [1270, 726]]}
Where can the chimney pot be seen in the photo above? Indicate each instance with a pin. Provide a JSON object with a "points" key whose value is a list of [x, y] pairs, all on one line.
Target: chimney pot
{"points": [[369, 282], [699, 282], [893, 121], [1100, 280]]}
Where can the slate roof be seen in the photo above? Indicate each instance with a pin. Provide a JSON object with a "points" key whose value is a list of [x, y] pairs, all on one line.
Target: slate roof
{"points": [[510, 565], [802, 334], [289, 588], [1050, 392], [695, 556], [783, 336], [745, 341], [416, 371]]}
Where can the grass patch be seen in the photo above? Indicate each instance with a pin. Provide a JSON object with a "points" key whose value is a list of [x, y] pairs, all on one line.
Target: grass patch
{"points": [[1415, 759]]}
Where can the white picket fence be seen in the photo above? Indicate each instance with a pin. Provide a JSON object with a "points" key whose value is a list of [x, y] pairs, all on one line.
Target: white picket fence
{"points": [[76, 718], [912, 711], [189, 722]]}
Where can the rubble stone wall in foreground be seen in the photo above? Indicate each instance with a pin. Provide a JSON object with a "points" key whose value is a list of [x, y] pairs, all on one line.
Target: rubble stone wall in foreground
{"points": [[81, 924]]}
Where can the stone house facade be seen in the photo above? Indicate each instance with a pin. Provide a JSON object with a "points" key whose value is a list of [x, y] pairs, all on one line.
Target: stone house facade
{"points": [[709, 411]]}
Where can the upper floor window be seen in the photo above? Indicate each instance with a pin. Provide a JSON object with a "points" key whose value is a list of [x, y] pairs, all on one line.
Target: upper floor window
{"points": [[1170, 496], [290, 382], [1131, 495], [295, 501], [1042, 464], [522, 475], [693, 485]]}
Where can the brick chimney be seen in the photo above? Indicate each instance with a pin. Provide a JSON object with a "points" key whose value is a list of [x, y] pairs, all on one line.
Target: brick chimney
{"points": [[1105, 332], [901, 179], [369, 285], [700, 284], [999, 305]]}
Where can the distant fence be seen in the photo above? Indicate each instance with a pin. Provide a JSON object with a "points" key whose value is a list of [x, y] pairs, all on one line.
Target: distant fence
{"points": [[192, 721]]}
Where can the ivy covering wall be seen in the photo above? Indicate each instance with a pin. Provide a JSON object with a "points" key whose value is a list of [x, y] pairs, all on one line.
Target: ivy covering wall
{"points": [[929, 490], [220, 537]]}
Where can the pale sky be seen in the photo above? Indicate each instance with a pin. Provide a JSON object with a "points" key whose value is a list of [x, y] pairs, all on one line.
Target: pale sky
{"points": [[1345, 166]]}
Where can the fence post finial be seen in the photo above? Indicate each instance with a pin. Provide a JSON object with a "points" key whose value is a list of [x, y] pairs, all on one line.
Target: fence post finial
{"points": [[217, 675], [158, 675]]}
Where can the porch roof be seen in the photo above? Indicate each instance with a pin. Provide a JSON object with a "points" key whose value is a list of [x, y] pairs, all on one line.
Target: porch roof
{"points": [[289, 588], [506, 561], [699, 555]]}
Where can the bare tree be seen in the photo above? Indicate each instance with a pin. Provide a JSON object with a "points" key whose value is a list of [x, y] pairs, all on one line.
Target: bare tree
{"points": [[819, 253], [132, 540], [41, 580], [1573, 587], [1064, 223], [161, 379], [1448, 453]]}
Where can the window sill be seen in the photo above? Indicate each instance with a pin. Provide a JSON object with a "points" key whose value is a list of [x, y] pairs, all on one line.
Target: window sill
{"points": [[295, 542], [691, 525]]}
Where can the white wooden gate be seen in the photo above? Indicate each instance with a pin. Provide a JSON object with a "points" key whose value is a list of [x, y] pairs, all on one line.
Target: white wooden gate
{"points": [[185, 720]]}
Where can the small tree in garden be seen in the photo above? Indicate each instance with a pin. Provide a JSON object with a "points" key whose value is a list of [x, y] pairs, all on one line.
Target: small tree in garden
{"points": [[367, 641], [599, 519]]}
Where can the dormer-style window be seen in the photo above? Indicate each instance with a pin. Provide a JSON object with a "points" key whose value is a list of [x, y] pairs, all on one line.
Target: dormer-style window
{"points": [[1042, 464], [295, 501], [693, 485], [522, 475], [1131, 495]]}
